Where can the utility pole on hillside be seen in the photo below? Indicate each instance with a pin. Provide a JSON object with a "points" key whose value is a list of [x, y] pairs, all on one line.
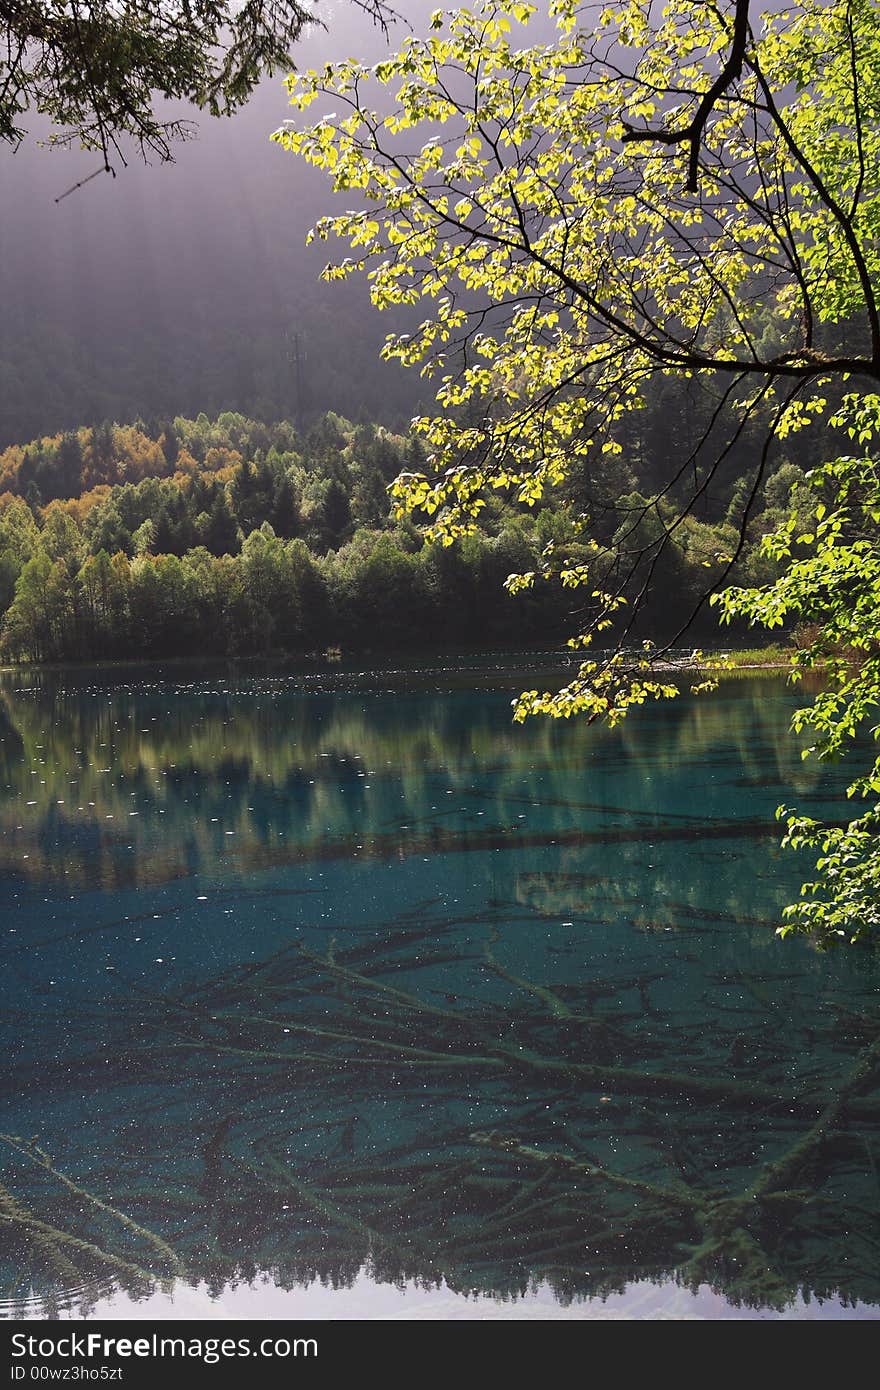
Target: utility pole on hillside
{"points": [[294, 357]]}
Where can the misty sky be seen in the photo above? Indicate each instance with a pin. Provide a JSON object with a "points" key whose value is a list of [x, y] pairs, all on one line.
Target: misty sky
{"points": [[154, 284]]}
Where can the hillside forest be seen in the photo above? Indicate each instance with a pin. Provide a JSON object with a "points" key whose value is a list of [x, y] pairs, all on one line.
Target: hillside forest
{"points": [[231, 538]]}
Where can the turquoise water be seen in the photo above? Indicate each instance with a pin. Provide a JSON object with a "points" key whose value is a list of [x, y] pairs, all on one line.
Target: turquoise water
{"points": [[348, 982]]}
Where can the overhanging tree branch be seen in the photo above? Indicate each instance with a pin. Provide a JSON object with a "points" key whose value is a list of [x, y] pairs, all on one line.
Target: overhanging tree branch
{"points": [[602, 272], [96, 67]]}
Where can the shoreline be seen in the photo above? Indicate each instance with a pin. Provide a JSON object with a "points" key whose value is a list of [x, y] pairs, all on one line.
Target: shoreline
{"points": [[763, 659]]}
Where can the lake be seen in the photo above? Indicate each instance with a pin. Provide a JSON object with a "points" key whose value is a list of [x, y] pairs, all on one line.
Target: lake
{"points": [[340, 995]]}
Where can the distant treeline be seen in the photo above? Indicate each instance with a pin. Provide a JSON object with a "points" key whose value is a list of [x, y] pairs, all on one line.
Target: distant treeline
{"points": [[236, 538]]}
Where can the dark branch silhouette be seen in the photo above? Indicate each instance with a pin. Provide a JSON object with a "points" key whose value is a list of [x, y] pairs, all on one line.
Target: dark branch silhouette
{"points": [[692, 134], [96, 67]]}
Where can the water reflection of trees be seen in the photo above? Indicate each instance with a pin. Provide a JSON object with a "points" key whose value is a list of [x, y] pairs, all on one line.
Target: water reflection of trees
{"points": [[418, 1101], [87, 772]]}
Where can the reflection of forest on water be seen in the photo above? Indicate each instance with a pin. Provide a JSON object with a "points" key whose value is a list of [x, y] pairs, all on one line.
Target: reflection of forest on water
{"points": [[87, 770], [303, 980]]}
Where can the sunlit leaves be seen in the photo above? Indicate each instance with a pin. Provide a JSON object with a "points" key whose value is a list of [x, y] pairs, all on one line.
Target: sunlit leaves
{"points": [[602, 270]]}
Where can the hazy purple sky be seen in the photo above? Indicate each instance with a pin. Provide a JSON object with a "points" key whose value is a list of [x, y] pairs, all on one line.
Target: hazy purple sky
{"points": [[208, 250]]}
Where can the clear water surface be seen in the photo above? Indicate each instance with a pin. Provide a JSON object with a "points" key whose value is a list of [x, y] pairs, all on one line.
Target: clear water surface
{"points": [[344, 996]]}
